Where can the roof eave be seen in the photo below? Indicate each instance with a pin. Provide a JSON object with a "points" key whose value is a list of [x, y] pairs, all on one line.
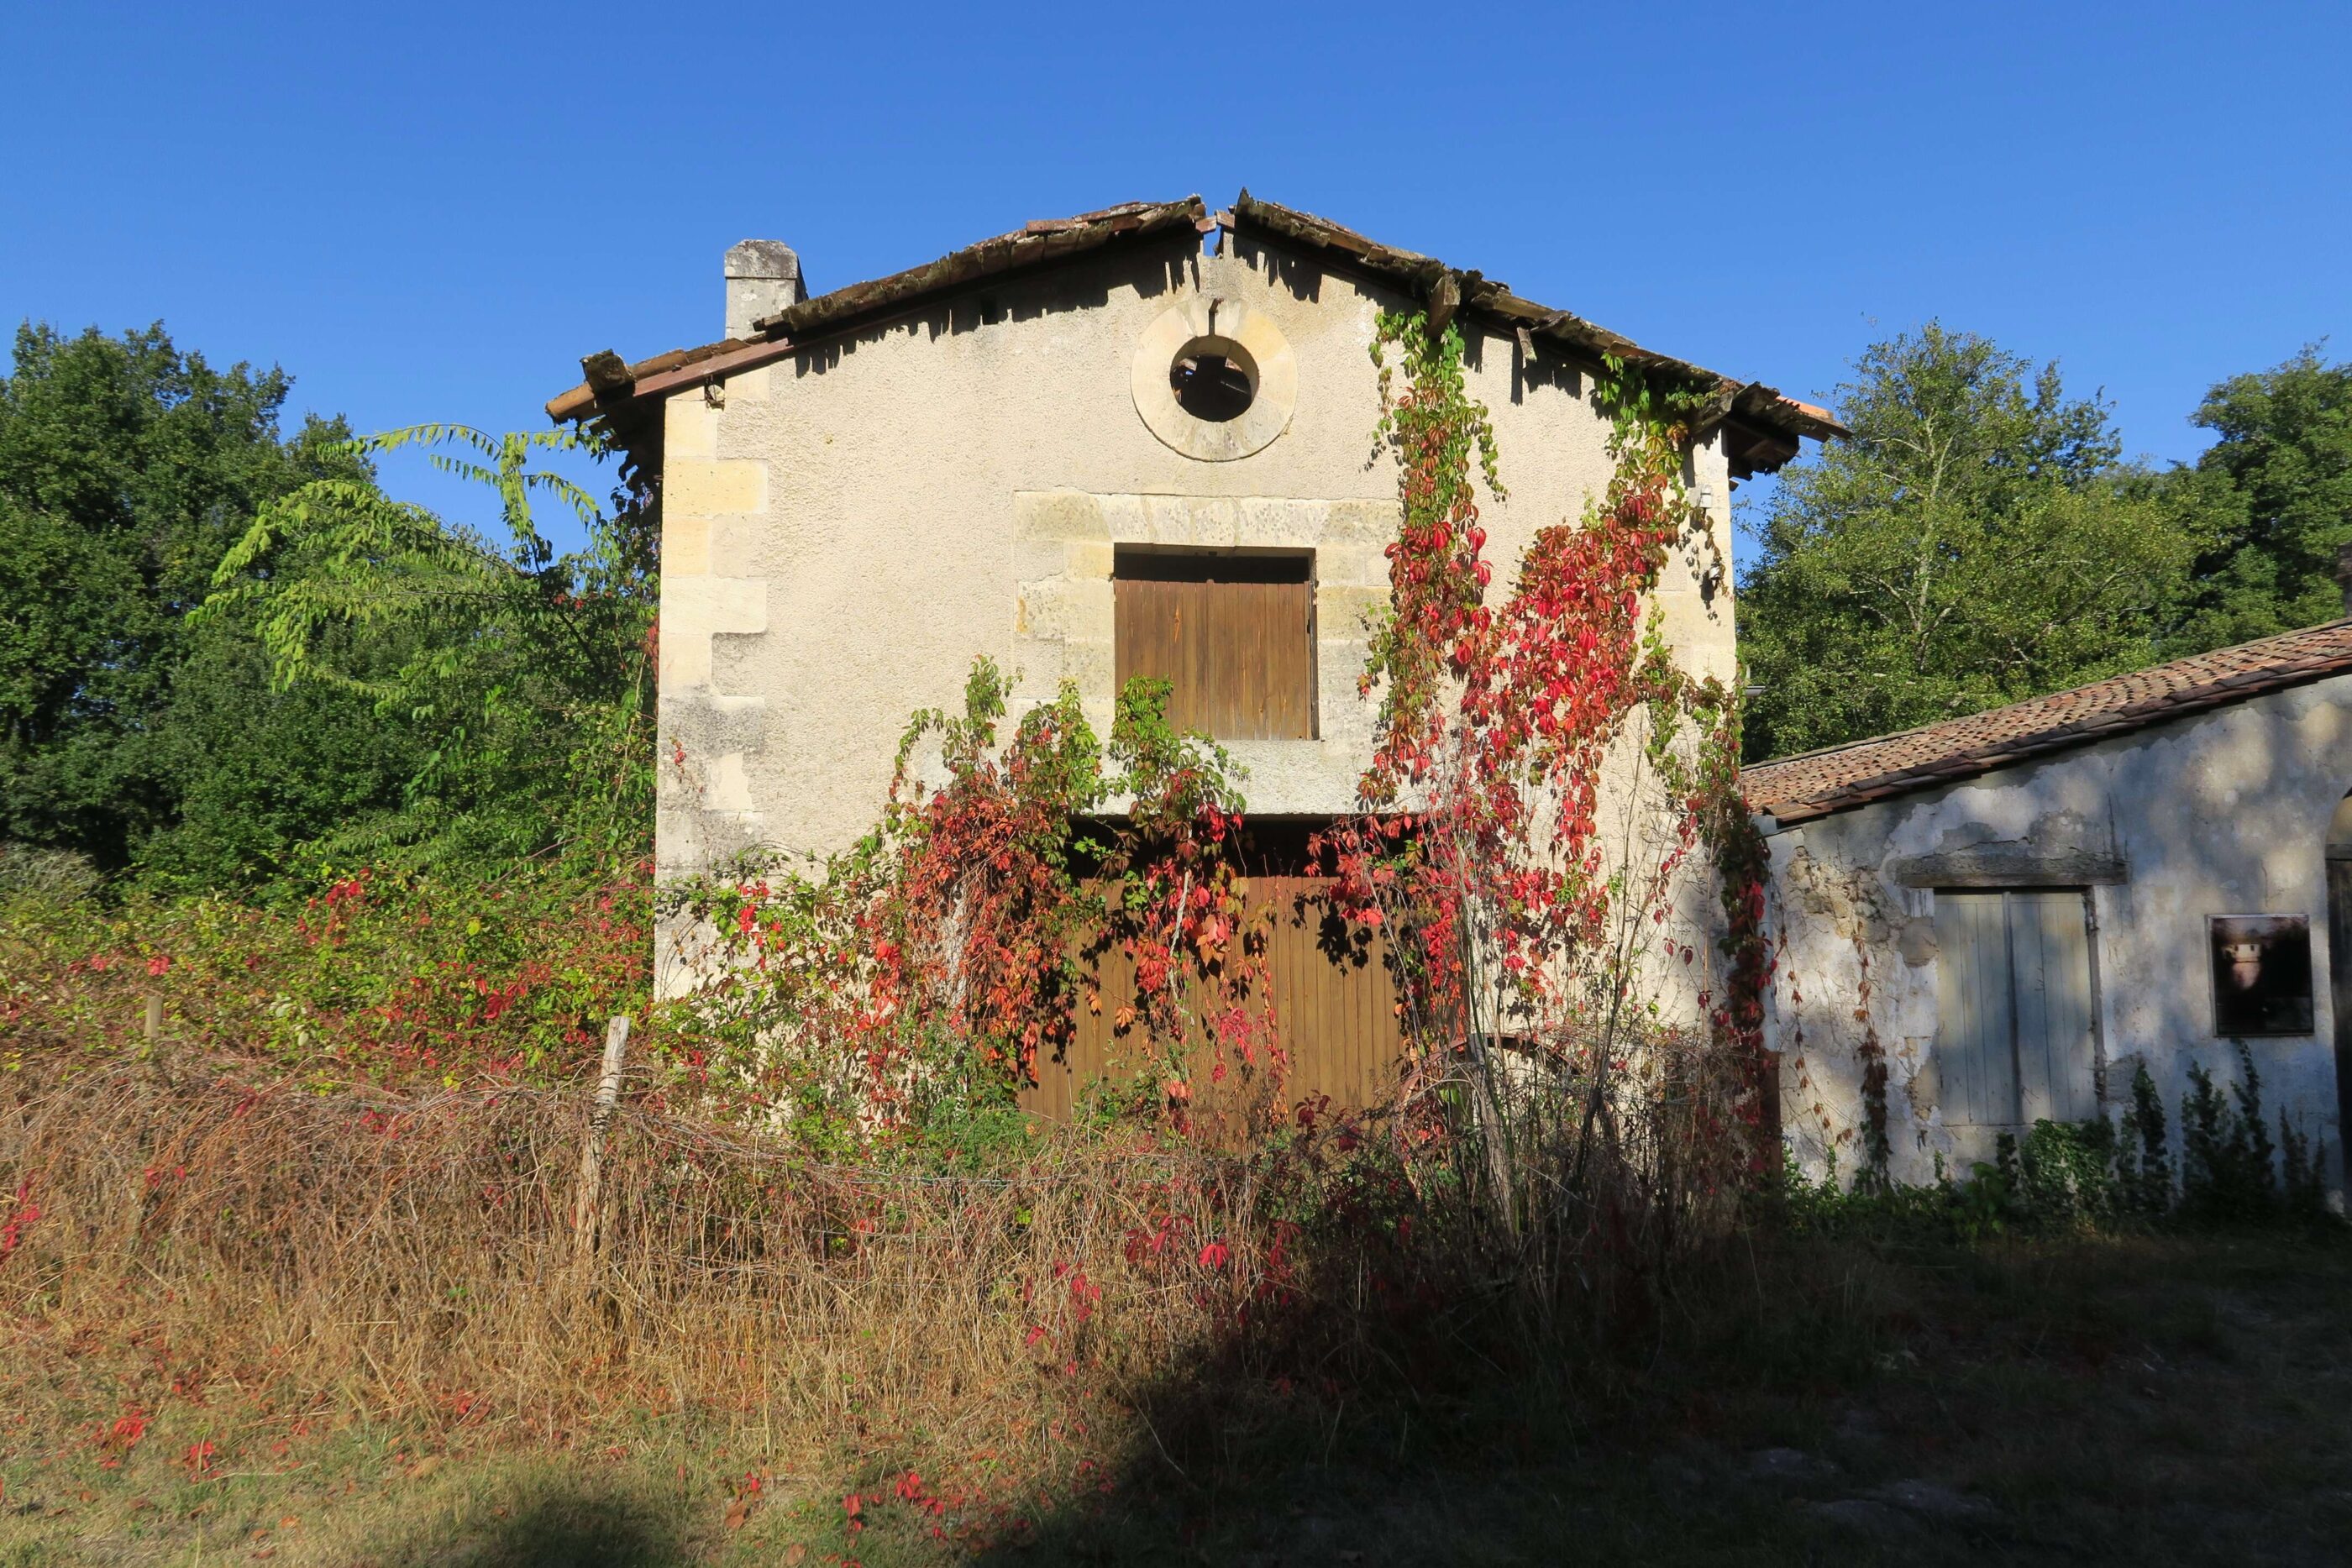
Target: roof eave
{"points": [[1763, 427], [1037, 245], [1448, 291], [1990, 756]]}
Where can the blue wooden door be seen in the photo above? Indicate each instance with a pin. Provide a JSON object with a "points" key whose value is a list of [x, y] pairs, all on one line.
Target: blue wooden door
{"points": [[2017, 1026]]}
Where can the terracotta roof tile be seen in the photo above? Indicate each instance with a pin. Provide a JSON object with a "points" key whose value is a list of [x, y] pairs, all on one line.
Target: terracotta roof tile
{"points": [[1033, 244], [613, 382], [1415, 273], [1840, 778]]}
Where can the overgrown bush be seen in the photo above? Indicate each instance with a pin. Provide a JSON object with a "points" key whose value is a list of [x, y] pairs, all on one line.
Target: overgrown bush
{"points": [[2099, 1175], [939, 963], [2228, 1162], [2143, 1153], [41, 875], [388, 978], [1546, 790]]}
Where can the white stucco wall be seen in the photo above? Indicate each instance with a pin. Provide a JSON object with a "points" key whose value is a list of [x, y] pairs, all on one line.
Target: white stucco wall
{"points": [[846, 529], [2226, 812]]}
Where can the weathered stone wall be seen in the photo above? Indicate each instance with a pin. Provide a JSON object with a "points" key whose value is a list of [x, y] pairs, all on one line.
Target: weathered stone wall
{"points": [[845, 530], [2224, 814]]}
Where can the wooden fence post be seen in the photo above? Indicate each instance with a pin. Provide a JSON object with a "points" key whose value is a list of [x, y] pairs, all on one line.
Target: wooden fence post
{"points": [[154, 1019], [586, 1201]]}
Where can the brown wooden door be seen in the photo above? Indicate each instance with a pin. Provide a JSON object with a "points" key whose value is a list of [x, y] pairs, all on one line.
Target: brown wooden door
{"points": [[1335, 1005]]}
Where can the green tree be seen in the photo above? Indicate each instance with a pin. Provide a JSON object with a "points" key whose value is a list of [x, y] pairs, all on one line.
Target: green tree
{"points": [[2280, 481], [127, 469], [524, 677], [261, 774], [1976, 541]]}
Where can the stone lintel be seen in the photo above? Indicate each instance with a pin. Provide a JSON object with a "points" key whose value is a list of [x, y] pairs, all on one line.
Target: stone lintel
{"points": [[2008, 866]]}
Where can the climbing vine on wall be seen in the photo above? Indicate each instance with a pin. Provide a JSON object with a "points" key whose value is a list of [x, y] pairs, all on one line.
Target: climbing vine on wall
{"points": [[947, 955], [1543, 770]]}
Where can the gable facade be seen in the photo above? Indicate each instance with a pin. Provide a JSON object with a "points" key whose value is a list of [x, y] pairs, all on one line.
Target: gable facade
{"points": [[863, 492]]}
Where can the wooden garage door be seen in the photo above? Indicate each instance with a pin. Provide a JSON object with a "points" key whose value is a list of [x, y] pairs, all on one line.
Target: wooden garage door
{"points": [[2016, 1030], [1334, 1000]]}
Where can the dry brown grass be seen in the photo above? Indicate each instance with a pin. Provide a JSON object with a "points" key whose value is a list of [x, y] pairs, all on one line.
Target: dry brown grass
{"points": [[303, 1257], [374, 1310]]}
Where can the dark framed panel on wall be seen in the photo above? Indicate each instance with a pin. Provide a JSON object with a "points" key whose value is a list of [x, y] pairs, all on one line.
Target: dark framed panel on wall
{"points": [[2262, 973]]}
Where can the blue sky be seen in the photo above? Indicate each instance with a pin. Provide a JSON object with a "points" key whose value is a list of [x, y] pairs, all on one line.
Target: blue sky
{"points": [[432, 216]]}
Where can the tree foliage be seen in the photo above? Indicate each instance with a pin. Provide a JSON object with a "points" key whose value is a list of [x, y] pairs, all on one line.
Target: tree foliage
{"points": [[2279, 483], [1976, 541], [127, 468], [227, 656], [524, 677]]}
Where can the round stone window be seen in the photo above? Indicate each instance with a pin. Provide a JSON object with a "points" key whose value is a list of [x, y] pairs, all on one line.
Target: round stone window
{"points": [[1214, 380]]}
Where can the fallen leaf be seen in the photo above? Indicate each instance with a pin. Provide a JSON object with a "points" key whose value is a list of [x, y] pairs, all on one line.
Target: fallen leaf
{"points": [[288, 1522], [794, 1555], [423, 1467], [737, 1512]]}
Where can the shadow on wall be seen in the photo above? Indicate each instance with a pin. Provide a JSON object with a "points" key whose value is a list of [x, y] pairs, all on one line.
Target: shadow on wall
{"points": [[1017, 298], [2235, 807], [2221, 815]]}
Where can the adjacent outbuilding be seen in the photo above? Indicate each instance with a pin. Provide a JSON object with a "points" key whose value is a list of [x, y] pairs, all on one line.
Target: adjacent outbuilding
{"points": [[2009, 912]]}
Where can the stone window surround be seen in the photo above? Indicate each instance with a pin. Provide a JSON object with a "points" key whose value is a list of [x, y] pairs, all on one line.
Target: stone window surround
{"points": [[1275, 391], [1064, 625]]}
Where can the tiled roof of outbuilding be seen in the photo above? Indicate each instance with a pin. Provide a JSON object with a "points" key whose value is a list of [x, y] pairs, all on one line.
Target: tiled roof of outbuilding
{"points": [[1840, 778]]}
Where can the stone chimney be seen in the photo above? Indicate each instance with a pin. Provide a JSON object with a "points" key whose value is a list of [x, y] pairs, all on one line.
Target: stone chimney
{"points": [[763, 276], [2344, 576]]}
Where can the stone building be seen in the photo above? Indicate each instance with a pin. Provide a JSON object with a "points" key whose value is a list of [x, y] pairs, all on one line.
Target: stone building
{"points": [[1139, 440], [2016, 909]]}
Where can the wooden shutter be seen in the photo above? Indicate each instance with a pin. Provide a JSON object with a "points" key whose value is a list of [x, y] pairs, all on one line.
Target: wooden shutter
{"points": [[1977, 1076], [1335, 996], [2050, 947], [2016, 1036], [1239, 654]]}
